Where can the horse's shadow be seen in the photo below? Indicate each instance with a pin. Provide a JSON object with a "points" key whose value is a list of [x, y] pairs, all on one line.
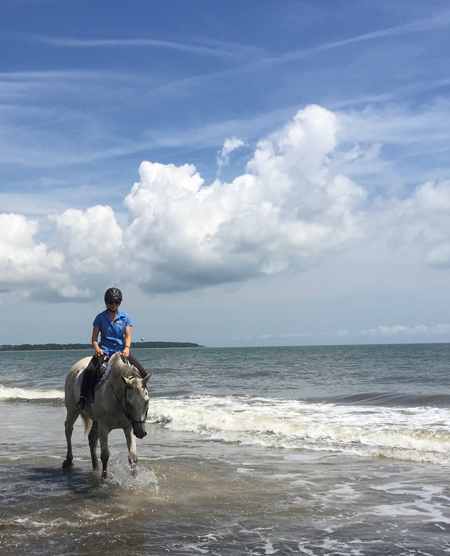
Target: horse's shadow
{"points": [[77, 482]]}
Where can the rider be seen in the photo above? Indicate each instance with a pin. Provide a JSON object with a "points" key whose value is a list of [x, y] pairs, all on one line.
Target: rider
{"points": [[114, 327]]}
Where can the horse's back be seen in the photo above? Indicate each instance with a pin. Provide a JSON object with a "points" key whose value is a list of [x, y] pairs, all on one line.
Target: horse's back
{"points": [[80, 365]]}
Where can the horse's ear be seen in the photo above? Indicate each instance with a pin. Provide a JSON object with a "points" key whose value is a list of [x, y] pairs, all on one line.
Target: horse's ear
{"points": [[127, 382], [146, 379]]}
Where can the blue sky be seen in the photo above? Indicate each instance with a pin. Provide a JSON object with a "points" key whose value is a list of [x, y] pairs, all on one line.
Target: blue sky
{"points": [[249, 173]]}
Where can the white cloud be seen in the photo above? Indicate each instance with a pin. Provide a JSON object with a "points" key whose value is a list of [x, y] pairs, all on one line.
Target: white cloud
{"points": [[341, 333], [23, 262], [229, 146], [423, 220], [86, 244], [294, 205], [399, 330], [91, 240], [287, 210], [210, 47]]}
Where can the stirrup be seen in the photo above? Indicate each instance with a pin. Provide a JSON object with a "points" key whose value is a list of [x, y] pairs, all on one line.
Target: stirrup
{"points": [[81, 404]]}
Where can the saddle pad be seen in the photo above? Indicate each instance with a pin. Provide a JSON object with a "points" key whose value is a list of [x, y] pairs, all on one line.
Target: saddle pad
{"points": [[100, 382]]}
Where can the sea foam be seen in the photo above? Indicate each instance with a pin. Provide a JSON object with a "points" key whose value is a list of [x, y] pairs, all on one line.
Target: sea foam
{"points": [[26, 394], [418, 434]]}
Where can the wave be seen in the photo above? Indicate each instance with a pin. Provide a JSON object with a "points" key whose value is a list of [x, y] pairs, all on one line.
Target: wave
{"points": [[11, 394], [414, 434], [419, 434], [396, 399]]}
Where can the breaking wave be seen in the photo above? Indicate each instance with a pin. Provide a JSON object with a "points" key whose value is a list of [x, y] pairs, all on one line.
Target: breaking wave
{"points": [[419, 434], [10, 394]]}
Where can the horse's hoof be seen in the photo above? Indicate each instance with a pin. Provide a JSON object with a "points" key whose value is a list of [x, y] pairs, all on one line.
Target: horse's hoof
{"points": [[67, 463]]}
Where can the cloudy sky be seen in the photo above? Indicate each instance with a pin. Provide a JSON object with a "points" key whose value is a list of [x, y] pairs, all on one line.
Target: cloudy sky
{"points": [[248, 173]]}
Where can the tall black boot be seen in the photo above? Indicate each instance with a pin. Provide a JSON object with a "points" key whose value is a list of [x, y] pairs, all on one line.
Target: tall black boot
{"points": [[85, 382]]}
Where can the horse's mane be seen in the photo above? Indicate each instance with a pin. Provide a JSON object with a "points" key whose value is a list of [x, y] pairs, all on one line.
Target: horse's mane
{"points": [[119, 367]]}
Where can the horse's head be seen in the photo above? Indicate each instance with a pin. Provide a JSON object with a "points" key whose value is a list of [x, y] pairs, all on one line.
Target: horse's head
{"points": [[136, 399]]}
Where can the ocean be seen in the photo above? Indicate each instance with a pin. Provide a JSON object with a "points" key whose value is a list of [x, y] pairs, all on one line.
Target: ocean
{"points": [[335, 450]]}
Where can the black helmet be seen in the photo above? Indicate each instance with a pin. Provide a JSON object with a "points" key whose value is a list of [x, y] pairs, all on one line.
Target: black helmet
{"points": [[113, 293]]}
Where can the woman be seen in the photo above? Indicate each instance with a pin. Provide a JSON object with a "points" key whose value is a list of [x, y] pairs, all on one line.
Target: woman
{"points": [[114, 328]]}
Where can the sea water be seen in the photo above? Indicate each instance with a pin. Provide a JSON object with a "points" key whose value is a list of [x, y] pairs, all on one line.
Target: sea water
{"points": [[288, 450]]}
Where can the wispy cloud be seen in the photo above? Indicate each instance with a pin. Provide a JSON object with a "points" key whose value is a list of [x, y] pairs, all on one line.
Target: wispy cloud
{"points": [[400, 330], [215, 48], [443, 20], [229, 146], [263, 63], [237, 50]]}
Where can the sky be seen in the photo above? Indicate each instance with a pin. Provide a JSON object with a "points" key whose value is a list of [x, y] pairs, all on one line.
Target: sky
{"points": [[257, 173]]}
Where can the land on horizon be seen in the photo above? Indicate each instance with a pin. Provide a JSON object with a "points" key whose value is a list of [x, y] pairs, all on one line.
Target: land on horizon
{"points": [[62, 347]]}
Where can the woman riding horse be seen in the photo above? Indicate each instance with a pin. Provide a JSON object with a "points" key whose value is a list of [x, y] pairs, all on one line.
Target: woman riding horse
{"points": [[114, 327]]}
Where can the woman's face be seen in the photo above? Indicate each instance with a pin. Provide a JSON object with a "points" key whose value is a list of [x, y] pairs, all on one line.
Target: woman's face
{"points": [[113, 304]]}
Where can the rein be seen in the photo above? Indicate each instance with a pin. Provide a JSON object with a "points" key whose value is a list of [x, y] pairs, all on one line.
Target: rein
{"points": [[126, 411]]}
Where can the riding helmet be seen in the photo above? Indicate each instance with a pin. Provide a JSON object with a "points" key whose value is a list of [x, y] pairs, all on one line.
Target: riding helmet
{"points": [[113, 293]]}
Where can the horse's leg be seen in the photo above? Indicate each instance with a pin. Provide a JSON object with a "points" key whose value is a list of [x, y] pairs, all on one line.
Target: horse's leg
{"points": [[131, 443], [104, 450], [72, 416], [93, 441]]}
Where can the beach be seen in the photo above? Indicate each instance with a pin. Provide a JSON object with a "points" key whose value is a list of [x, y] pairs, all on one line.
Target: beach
{"points": [[296, 450]]}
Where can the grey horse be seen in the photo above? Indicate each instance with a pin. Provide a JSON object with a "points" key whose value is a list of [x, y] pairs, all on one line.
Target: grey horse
{"points": [[120, 403]]}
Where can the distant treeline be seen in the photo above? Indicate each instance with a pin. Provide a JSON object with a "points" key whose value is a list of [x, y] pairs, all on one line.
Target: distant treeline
{"points": [[61, 347]]}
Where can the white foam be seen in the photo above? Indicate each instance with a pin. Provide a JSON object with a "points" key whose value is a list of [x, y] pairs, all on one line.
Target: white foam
{"points": [[430, 503], [26, 394], [268, 547], [416, 434], [345, 490]]}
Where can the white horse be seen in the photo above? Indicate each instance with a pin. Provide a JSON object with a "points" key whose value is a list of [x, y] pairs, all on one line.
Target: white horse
{"points": [[120, 403]]}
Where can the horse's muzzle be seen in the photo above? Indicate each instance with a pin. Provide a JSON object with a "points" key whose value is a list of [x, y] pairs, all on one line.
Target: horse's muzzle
{"points": [[139, 432]]}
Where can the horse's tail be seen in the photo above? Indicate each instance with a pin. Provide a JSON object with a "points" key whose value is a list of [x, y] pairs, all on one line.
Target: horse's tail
{"points": [[87, 423]]}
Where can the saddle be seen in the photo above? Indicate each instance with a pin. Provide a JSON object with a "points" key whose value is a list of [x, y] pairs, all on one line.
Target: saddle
{"points": [[98, 370], [99, 374]]}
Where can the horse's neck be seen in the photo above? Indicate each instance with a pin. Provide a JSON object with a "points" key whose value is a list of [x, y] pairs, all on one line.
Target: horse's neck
{"points": [[117, 371]]}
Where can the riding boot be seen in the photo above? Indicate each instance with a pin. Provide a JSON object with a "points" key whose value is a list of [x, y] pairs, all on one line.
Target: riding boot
{"points": [[86, 381]]}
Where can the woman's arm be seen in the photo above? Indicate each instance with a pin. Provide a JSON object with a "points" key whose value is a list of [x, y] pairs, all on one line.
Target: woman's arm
{"points": [[95, 333], [126, 349]]}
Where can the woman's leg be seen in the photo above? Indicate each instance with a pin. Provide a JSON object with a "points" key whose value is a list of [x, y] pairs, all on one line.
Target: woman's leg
{"points": [[138, 366], [86, 381]]}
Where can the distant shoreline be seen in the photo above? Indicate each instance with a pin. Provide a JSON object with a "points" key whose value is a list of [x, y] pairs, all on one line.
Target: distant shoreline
{"points": [[67, 347]]}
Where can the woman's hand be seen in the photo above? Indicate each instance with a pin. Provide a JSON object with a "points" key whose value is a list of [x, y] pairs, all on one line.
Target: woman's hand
{"points": [[126, 351], [99, 352]]}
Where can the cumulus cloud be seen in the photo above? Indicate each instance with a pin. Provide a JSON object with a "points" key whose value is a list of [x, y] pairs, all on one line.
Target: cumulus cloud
{"points": [[25, 263], [293, 206], [85, 243], [287, 210], [91, 240]]}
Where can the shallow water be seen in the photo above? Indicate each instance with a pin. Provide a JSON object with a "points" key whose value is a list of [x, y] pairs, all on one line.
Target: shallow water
{"points": [[254, 451]]}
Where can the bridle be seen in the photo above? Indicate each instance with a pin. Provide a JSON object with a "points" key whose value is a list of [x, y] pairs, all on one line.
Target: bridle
{"points": [[126, 411]]}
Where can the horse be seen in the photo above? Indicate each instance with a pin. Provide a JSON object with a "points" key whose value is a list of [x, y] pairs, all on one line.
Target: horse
{"points": [[120, 403]]}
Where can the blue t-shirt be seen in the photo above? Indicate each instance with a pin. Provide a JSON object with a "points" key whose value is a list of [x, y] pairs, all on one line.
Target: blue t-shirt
{"points": [[112, 333]]}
